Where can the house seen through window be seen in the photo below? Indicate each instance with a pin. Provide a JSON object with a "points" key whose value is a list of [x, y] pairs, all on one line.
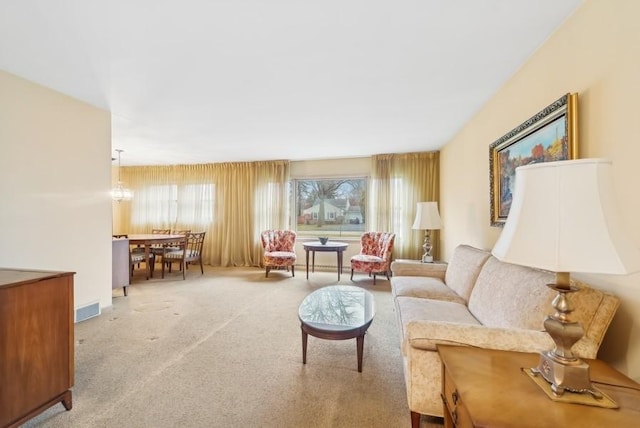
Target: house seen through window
{"points": [[330, 206]]}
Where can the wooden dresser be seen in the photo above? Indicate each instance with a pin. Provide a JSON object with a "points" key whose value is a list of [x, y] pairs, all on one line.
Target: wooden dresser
{"points": [[487, 388], [36, 343]]}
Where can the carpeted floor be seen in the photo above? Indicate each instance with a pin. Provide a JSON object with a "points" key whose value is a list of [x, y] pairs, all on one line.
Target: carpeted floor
{"points": [[224, 350]]}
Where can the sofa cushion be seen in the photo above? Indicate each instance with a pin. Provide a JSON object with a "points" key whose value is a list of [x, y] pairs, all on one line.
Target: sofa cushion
{"points": [[511, 296], [411, 309], [425, 288], [464, 267]]}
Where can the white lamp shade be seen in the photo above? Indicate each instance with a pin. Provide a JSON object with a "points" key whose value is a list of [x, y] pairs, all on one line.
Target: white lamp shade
{"points": [[564, 218], [427, 217]]}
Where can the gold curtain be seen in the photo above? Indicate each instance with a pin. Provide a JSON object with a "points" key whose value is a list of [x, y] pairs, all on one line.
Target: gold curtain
{"points": [[232, 202], [398, 183]]}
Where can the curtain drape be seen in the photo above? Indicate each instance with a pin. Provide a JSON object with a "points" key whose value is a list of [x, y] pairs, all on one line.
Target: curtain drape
{"points": [[398, 183], [232, 202]]}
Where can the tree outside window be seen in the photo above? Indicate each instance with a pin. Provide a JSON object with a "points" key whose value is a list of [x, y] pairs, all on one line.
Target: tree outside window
{"points": [[331, 207]]}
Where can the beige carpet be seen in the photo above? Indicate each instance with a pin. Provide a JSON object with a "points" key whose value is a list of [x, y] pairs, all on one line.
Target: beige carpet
{"points": [[224, 350]]}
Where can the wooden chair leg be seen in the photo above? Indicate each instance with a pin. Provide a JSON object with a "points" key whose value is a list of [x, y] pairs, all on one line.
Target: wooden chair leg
{"points": [[293, 270], [415, 420], [351, 274], [267, 269]]}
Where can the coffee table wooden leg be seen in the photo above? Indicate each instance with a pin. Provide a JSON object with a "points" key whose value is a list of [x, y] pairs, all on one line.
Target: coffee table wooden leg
{"points": [[307, 258], [304, 346], [360, 345]]}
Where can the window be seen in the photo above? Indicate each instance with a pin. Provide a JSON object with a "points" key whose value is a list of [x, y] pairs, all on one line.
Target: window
{"points": [[330, 206], [171, 204]]}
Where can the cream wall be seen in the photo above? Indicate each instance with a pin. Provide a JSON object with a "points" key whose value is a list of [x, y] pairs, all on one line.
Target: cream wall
{"points": [[595, 53], [55, 172]]}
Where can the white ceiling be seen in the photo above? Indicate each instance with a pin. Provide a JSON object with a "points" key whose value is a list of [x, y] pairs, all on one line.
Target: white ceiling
{"points": [[198, 81]]}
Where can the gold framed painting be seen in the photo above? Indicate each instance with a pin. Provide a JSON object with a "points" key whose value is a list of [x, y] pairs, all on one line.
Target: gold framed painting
{"points": [[550, 135]]}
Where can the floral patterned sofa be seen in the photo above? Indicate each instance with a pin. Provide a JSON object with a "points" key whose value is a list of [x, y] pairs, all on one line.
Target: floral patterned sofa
{"points": [[477, 300]]}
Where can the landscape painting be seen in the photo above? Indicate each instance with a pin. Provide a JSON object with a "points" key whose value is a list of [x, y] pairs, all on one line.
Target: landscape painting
{"points": [[550, 135]]}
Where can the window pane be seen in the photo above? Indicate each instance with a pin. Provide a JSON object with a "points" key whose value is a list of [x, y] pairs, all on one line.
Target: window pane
{"points": [[195, 204], [331, 207], [188, 205]]}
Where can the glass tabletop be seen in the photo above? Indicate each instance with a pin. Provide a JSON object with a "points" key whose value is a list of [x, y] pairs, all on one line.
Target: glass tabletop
{"points": [[337, 308]]}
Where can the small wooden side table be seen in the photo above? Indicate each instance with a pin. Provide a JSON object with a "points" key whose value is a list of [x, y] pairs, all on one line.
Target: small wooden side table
{"points": [[331, 246], [487, 388]]}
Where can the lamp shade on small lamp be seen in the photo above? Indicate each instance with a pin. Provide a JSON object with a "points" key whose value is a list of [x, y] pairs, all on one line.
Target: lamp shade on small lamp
{"points": [[427, 218], [564, 219]]}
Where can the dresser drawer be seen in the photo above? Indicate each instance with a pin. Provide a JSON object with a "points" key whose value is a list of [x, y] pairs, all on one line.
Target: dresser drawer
{"points": [[453, 404]]}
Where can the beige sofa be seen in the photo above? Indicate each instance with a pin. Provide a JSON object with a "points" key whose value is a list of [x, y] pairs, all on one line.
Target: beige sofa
{"points": [[476, 300]]}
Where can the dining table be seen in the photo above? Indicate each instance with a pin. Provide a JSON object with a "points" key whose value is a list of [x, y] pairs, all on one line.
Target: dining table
{"points": [[148, 239]]}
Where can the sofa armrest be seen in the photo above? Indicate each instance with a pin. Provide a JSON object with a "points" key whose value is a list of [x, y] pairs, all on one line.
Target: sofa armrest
{"points": [[427, 334], [416, 268]]}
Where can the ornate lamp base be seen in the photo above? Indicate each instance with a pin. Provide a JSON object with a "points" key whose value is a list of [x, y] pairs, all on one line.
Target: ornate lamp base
{"points": [[560, 367], [564, 375], [426, 247]]}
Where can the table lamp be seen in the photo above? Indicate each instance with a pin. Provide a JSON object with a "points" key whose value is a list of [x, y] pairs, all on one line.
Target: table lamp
{"points": [[427, 219], [564, 219]]}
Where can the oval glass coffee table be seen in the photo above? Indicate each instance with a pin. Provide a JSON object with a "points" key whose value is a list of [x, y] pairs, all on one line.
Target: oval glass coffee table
{"points": [[336, 312]]}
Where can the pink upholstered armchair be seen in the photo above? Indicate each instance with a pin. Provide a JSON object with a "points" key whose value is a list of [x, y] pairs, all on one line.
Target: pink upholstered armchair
{"points": [[375, 254], [279, 249]]}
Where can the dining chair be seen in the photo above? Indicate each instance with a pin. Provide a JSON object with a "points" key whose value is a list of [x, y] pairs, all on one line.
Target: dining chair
{"points": [[156, 247], [135, 258], [190, 251], [375, 254], [159, 248]]}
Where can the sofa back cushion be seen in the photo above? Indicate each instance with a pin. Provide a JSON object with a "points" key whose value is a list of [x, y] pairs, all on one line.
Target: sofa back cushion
{"points": [[464, 266], [512, 296]]}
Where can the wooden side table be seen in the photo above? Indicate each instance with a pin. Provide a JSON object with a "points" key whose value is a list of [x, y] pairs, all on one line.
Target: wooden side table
{"points": [[485, 387], [331, 246]]}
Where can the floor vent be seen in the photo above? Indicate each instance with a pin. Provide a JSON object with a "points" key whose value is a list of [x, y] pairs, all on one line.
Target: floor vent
{"points": [[89, 311]]}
